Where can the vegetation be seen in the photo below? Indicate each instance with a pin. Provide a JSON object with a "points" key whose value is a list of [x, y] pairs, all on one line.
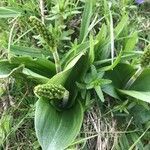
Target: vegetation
{"points": [[74, 74]]}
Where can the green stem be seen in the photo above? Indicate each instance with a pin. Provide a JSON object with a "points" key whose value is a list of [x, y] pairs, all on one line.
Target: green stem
{"points": [[133, 78], [57, 60], [65, 98]]}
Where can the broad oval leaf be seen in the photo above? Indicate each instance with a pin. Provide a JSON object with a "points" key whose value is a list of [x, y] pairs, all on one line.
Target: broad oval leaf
{"points": [[120, 75], [40, 66], [8, 69], [73, 73], [141, 87], [57, 130]]}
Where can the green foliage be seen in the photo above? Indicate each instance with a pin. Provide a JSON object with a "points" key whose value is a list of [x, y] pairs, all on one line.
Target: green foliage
{"points": [[145, 60], [28, 51], [75, 63], [6, 12], [7, 69], [5, 127], [87, 14], [56, 130]]}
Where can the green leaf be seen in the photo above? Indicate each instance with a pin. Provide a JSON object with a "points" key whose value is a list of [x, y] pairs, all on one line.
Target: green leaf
{"points": [[101, 38], [110, 90], [147, 147], [139, 144], [127, 56], [140, 88], [91, 51], [40, 66], [28, 51], [119, 28], [142, 83], [131, 42], [6, 12], [112, 66], [34, 76], [73, 61], [6, 123], [57, 130], [120, 74], [73, 73], [7, 69], [99, 93], [75, 50], [144, 96], [61, 78], [105, 50], [123, 141], [139, 138], [87, 14]]}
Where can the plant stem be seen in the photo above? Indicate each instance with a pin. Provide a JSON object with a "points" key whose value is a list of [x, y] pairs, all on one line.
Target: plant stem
{"points": [[57, 60], [133, 78], [65, 98], [11, 36], [111, 34], [41, 3]]}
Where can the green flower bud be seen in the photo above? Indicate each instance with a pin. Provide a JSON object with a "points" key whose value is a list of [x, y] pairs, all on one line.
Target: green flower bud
{"points": [[145, 59], [50, 91], [43, 31]]}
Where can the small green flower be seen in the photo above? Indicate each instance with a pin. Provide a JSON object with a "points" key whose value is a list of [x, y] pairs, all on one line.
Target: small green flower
{"points": [[145, 59], [50, 91], [43, 31]]}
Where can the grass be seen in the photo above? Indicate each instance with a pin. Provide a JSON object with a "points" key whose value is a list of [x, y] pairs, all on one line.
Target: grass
{"points": [[123, 27]]}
